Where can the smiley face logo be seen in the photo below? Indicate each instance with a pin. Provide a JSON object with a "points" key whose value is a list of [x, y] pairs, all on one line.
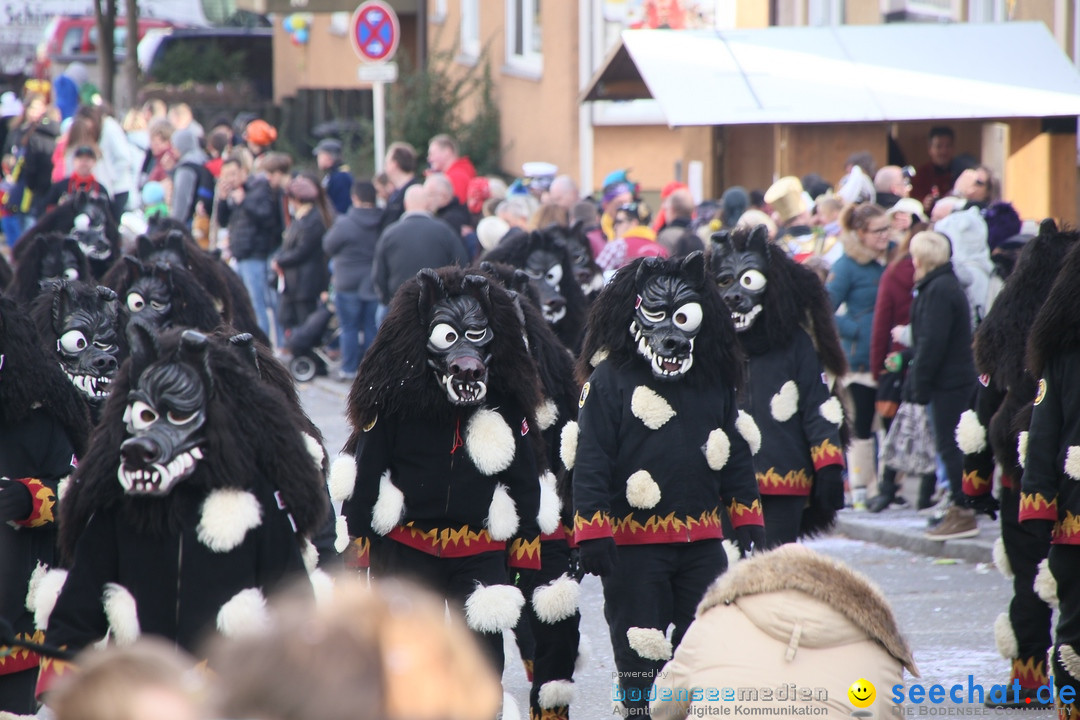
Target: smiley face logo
{"points": [[862, 693]]}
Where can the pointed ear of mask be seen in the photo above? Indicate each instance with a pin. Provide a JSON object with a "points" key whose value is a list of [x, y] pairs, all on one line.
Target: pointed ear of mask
{"points": [[432, 290], [520, 282], [759, 241], [646, 269], [163, 272], [174, 241], [693, 268], [1048, 227], [144, 346], [245, 345], [144, 247], [479, 287], [106, 294], [63, 300], [135, 266], [195, 351]]}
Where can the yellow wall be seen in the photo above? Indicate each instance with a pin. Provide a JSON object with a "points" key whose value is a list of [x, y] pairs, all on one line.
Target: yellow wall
{"points": [[650, 151]]}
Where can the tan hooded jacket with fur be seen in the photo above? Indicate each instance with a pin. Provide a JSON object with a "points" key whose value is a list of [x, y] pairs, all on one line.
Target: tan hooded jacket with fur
{"points": [[788, 616]]}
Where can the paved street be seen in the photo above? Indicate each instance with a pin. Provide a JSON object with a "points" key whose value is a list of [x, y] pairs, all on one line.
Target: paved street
{"points": [[946, 608]]}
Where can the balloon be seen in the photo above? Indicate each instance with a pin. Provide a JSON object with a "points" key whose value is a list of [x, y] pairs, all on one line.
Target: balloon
{"points": [[299, 22], [302, 36], [295, 40], [287, 23]]}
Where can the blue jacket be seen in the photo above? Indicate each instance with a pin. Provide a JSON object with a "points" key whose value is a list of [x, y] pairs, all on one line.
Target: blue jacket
{"points": [[854, 282], [338, 184]]}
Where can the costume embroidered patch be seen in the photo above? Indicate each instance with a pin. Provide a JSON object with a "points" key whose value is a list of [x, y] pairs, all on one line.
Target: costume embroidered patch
{"points": [[1042, 391], [584, 395]]}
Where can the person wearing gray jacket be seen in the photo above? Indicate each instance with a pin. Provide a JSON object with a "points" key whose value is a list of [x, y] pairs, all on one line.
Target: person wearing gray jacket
{"points": [[350, 245], [186, 174]]}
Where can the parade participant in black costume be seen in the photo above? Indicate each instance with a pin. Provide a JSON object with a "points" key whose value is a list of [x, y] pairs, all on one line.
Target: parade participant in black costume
{"points": [[791, 418], [545, 256], [89, 220], [990, 434], [658, 456], [442, 412], [44, 425], [82, 326], [44, 257], [163, 296], [1049, 492], [551, 616], [191, 505]]}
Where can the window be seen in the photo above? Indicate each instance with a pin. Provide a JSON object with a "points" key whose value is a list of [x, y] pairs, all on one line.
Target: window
{"points": [[825, 12], [438, 13], [73, 41], [523, 36], [470, 29]]}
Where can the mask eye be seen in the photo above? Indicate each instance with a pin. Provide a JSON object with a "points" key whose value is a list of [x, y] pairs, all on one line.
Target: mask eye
{"points": [[179, 418], [725, 281], [653, 317], [73, 342], [71, 274], [476, 335], [159, 306], [752, 280], [688, 317], [106, 346], [442, 336], [554, 276], [140, 415], [135, 302]]}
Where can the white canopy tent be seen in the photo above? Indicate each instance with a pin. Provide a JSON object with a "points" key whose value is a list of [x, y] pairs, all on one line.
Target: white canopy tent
{"points": [[891, 72]]}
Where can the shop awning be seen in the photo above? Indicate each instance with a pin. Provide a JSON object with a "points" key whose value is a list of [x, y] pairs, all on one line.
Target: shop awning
{"points": [[890, 72]]}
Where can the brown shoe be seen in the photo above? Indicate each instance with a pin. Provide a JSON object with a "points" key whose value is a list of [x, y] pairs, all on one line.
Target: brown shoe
{"points": [[958, 523]]}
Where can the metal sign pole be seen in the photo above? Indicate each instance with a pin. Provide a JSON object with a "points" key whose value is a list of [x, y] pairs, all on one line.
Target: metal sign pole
{"points": [[378, 99]]}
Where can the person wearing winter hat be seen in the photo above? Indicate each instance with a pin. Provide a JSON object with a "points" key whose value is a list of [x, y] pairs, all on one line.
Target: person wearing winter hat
{"points": [[967, 233], [792, 214], [733, 203], [615, 196], [153, 200], [259, 136], [491, 230], [186, 174]]}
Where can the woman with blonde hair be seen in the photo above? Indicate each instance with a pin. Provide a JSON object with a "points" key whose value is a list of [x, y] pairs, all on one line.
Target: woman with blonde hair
{"points": [[853, 286]]}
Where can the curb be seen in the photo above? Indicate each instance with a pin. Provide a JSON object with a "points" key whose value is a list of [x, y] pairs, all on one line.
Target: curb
{"points": [[909, 537]]}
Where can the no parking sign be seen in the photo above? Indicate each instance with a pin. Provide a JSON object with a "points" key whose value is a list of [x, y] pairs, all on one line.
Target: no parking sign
{"points": [[375, 31]]}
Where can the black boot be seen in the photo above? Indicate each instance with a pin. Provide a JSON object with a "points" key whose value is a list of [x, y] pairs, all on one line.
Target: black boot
{"points": [[886, 492], [927, 484]]}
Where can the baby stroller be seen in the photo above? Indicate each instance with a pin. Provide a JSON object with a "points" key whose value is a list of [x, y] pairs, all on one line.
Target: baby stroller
{"points": [[309, 341]]}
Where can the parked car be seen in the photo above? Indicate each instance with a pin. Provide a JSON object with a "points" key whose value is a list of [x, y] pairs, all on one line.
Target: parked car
{"points": [[248, 50]]}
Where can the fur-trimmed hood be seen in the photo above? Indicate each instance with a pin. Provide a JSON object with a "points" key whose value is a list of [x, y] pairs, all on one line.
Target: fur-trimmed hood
{"points": [[855, 249], [824, 580]]}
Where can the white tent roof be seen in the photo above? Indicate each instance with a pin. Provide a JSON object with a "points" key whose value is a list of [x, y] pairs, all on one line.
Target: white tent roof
{"points": [[871, 73]]}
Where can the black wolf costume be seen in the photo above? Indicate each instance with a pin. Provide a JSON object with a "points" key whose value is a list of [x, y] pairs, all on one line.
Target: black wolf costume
{"points": [[44, 425], [791, 419], [169, 243], [163, 296], [658, 453], [1049, 492], [44, 258], [991, 432], [545, 257], [443, 416], [7, 275], [588, 274], [191, 505], [551, 618], [89, 220], [82, 326]]}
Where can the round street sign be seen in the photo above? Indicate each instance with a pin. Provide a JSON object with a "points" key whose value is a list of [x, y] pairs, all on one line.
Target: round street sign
{"points": [[375, 31]]}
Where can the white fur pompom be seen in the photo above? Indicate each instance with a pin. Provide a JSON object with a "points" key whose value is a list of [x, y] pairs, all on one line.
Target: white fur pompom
{"points": [[1072, 462], [1046, 584], [785, 403], [489, 441], [1021, 447], [389, 507], [556, 694], [642, 492], [227, 516], [751, 433], [342, 480], [547, 414], [122, 613], [1005, 638], [315, 450], [557, 600], [550, 504], [310, 554], [649, 643], [493, 608], [970, 433], [650, 408], [502, 520], [717, 449], [43, 596], [341, 533], [568, 440], [245, 613], [1001, 559], [832, 411]]}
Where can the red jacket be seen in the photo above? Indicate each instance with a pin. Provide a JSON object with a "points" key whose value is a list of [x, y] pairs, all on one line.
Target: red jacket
{"points": [[460, 172], [892, 308]]}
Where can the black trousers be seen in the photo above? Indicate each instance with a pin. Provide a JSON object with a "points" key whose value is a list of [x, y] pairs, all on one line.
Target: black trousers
{"points": [[453, 578], [863, 398], [1065, 566], [553, 629], [783, 515], [1029, 616], [17, 692], [654, 586], [945, 410]]}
